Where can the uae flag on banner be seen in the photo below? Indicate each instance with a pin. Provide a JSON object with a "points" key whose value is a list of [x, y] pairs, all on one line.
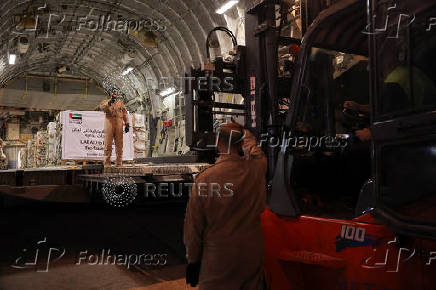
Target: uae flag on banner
{"points": [[75, 116]]}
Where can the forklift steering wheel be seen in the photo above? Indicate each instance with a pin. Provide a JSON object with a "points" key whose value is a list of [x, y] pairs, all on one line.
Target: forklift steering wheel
{"points": [[356, 116], [353, 120]]}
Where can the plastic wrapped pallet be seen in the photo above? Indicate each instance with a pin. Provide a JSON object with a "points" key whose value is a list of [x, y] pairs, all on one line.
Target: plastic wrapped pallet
{"points": [[41, 149], [138, 120], [59, 143], [22, 158], [51, 130], [139, 135], [54, 146], [31, 156], [12, 150], [3, 158]]}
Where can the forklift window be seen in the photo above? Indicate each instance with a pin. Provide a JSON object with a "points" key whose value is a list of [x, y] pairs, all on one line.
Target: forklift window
{"points": [[406, 81], [406, 90], [328, 177]]}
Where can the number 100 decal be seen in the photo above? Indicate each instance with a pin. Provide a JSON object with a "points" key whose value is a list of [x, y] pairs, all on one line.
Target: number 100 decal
{"points": [[353, 233]]}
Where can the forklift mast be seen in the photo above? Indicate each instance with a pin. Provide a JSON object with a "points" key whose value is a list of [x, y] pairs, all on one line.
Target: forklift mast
{"points": [[255, 73], [261, 71]]}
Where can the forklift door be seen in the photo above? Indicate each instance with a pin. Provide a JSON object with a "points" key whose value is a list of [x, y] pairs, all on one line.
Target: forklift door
{"points": [[322, 242], [404, 123]]}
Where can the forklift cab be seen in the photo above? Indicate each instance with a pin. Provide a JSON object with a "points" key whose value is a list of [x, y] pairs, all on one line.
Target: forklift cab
{"points": [[348, 212]]}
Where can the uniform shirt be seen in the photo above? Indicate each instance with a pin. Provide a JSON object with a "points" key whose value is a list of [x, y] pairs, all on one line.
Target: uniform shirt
{"points": [[117, 110]]}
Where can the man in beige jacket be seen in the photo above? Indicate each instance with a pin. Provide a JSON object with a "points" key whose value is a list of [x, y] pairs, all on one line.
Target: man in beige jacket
{"points": [[116, 113], [223, 236]]}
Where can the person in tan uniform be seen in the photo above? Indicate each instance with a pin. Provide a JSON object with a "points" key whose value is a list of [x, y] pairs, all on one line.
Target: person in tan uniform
{"points": [[222, 232], [116, 113]]}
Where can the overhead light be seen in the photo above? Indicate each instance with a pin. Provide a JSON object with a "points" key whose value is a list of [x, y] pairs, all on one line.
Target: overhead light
{"points": [[127, 70], [12, 58], [167, 92], [226, 6]]}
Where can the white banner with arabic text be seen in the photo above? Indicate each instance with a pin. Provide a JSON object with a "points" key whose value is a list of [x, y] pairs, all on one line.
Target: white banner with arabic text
{"points": [[83, 136]]}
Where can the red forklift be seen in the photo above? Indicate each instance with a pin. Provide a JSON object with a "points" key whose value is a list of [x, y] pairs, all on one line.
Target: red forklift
{"points": [[352, 191]]}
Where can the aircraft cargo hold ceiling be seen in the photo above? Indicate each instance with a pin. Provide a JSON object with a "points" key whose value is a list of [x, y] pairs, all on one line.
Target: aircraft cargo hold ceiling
{"points": [[122, 43]]}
